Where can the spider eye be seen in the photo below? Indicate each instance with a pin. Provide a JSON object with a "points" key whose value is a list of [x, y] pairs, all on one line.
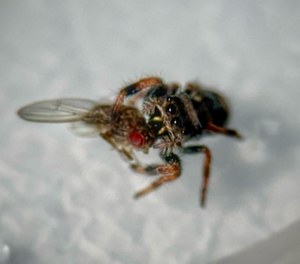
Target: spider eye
{"points": [[171, 109], [177, 121]]}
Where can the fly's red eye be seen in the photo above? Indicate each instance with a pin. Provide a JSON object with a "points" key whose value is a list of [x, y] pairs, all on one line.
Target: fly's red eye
{"points": [[136, 139]]}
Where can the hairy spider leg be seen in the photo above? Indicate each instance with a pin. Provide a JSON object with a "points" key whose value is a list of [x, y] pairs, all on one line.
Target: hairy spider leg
{"points": [[206, 167], [192, 87], [132, 89], [222, 130], [157, 91], [170, 171], [172, 88]]}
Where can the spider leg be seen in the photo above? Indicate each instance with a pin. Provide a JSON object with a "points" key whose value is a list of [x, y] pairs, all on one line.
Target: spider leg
{"points": [[169, 172], [172, 88], [207, 161], [222, 130], [132, 89], [136, 97], [192, 87], [155, 92]]}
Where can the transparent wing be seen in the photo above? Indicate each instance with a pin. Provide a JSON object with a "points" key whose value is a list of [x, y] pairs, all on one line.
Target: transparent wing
{"points": [[60, 110], [84, 129]]}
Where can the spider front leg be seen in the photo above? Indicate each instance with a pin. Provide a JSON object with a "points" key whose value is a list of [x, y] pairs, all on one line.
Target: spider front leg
{"points": [[207, 161], [154, 92], [170, 171], [134, 89]]}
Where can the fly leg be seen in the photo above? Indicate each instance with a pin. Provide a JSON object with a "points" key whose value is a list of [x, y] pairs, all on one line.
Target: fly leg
{"points": [[128, 154], [206, 168], [169, 172]]}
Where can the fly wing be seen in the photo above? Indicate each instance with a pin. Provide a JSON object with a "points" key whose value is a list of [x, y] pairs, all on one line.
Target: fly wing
{"points": [[60, 110], [85, 129]]}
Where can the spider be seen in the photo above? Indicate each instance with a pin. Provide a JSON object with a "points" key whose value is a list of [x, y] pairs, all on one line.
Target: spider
{"points": [[176, 117]]}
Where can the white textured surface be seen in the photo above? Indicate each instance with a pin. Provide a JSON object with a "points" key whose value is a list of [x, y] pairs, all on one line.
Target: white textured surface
{"points": [[280, 248], [65, 199]]}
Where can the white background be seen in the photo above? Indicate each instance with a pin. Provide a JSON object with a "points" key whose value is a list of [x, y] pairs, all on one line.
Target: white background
{"points": [[65, 199]]}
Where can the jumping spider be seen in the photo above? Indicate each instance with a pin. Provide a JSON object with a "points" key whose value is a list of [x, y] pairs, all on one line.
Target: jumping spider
{"points": [[176, 117]]}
